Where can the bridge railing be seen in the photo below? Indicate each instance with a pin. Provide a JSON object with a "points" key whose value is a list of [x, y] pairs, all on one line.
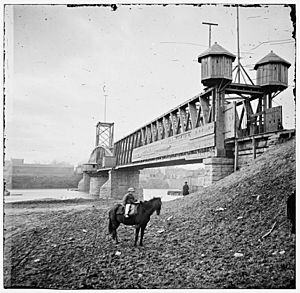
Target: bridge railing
{"points": [[194, 113]]}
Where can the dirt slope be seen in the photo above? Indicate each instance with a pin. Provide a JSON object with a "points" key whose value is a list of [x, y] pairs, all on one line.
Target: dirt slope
{"points": [[192, 244]]}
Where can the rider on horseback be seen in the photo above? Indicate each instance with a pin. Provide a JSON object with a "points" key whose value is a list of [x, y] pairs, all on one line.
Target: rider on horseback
{"points": [[128, 199]]}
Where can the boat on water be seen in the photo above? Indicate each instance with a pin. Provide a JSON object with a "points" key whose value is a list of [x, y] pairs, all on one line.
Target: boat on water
{"points": [[174, 192], [8, 193]]}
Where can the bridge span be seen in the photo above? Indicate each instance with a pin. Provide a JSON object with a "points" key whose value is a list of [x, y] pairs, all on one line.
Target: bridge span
{"points": [[224, 127]]}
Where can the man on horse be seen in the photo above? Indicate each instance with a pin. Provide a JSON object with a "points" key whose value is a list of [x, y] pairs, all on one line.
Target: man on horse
{"points": [[128, 199]]}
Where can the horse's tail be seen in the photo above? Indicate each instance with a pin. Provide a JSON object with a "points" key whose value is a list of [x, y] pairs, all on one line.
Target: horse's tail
{"points": [[111, 218], [110, 226]]}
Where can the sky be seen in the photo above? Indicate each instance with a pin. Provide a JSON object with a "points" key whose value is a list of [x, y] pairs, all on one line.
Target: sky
{"points": [[61, 61]]}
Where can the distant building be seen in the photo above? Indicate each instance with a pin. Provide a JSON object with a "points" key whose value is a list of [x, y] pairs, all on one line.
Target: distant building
{"points": [[172, 178], [176, 177], [19, 175], [153, 178]]}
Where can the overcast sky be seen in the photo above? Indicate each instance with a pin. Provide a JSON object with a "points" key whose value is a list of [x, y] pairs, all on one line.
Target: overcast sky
{"points": [[59, 59]]}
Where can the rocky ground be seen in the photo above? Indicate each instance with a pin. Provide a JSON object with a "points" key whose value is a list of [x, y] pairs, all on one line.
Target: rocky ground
{"points": [[214, 239]]}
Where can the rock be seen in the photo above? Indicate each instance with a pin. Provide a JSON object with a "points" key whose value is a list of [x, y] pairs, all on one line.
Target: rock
{"points": [[240, 217], [220, 209], [118, 253], [237, 254], [83, 230], [282, 252], [169, 218], [161, 231]]}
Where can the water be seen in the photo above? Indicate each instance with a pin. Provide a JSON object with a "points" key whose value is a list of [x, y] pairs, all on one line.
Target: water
{"points": [[18, 195], [42, 194], [149, 193]]}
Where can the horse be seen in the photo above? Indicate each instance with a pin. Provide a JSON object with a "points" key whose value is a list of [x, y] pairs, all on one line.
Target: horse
{"points": [[291, 211], [144, 210]]}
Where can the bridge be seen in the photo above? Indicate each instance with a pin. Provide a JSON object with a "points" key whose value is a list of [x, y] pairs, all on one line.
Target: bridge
{"points": [[223, 127]]}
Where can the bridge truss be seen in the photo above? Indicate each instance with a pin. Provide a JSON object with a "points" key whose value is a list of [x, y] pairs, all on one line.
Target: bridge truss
{"points": [[198, 128]]}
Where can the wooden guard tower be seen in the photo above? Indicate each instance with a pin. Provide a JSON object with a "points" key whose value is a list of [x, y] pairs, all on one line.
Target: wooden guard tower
{"points": [[272, 76], [216, 65], [272, 73], [216, 73]]}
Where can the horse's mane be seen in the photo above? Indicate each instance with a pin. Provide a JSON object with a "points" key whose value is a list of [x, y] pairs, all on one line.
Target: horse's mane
{"points": [[153, 199], [149, 202]]}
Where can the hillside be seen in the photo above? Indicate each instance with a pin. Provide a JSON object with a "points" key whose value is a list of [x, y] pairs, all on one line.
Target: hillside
{"points": [[213, 239]]}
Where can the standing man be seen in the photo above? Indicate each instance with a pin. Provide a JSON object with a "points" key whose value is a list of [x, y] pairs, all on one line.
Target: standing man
{"points": [[185, 189], [128, 199]]}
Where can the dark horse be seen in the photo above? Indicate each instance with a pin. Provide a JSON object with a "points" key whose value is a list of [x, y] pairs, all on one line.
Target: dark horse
{"points": [[291, 211], [144, 210]]}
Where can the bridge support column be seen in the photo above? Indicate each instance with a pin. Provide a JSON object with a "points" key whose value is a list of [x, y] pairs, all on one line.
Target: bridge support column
{"points": [[219, 98], [96, 182], [118, 183], [216, 169], [84, 183]]}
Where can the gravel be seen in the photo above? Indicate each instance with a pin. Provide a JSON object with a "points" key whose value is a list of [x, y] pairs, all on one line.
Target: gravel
{"points": [[213, 239]]}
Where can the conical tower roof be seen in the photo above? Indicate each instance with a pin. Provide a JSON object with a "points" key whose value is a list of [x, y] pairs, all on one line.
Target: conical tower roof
{"points": [[215, 49], [271, 58]]}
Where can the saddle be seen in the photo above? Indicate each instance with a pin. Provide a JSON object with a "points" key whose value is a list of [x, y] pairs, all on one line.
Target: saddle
{"points": [[133, 210]]}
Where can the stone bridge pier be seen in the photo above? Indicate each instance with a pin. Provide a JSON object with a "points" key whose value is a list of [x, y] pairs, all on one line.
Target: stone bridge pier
{"points": [[111, 183], [217, 168], [118, 183]]}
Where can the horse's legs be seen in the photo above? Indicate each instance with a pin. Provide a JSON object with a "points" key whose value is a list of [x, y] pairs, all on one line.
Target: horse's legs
{"points": [[115, 236], [137, 230], [114, 233], [142, 234]]}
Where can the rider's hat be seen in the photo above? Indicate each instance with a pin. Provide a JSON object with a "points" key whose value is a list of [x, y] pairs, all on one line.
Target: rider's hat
{"points": [[130, 189]]}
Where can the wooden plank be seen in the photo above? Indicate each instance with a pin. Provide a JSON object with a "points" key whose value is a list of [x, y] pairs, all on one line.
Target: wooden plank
{"points": [[182, 119], [126, 149], [148, 134], [188, 122], [153, 132], [229, 121], [122, 150], [166, 127], [159, 129], [174, 123], [193, 114], [241, 118], [143, 136], [205, 109]]}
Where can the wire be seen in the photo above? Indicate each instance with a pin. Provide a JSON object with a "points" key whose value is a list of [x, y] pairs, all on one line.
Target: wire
{"points": [[184, 43], [267, 42], [290, 42]]}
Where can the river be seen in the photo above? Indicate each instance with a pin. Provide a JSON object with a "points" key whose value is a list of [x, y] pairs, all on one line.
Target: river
{"points": [[18, 195]]}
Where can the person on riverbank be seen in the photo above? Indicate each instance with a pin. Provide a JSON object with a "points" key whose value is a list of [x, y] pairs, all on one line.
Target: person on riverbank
{"points": [[185, 189], [129, 199]]}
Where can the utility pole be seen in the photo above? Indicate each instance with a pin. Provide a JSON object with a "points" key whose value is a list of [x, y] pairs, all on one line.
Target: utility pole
{"points": [[105, 95], [238, 45], [209, 31]]}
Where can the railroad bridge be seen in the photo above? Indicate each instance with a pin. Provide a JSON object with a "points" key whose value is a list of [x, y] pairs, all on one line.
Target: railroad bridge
{"points": [[223, 127]]}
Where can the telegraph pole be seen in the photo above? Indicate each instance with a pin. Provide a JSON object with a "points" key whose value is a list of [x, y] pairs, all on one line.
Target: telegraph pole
{"points": [[238, 45], [209, 31], [105, 95]]}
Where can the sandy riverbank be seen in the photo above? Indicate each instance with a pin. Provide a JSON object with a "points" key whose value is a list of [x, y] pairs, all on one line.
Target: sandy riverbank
{"points": [[215, 239], [29, 214]]}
